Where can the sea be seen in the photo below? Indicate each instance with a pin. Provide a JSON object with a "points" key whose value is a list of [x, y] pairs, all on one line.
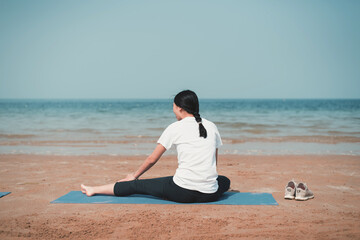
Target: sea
{"points": [[132, 126]]}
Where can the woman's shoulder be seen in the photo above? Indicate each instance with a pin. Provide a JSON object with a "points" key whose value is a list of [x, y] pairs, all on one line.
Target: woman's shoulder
{"points": [[208, 122], [184, 122], [173, 125]]}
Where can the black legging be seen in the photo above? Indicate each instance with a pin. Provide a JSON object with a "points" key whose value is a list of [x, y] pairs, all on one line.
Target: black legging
{"points": [[166, 188]]}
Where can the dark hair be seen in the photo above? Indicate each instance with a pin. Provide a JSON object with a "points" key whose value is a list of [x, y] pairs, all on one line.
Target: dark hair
{"points": [[188, 101]]}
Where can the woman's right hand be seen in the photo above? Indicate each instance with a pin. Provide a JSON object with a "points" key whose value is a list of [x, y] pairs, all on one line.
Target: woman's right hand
{"points": [[129, 177]]}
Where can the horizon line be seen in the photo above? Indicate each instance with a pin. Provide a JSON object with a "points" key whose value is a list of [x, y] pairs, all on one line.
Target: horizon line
{"points": [[200, 99]]}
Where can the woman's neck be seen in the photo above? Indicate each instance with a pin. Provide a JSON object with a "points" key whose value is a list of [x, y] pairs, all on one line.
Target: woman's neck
{"points": [[185, 115]]}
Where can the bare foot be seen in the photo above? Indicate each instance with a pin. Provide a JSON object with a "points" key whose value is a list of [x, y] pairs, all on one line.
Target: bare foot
{"points": [[87, 190]]}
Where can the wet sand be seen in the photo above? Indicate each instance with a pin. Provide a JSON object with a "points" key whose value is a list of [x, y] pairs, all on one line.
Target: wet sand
{"points": [[36, 180]]}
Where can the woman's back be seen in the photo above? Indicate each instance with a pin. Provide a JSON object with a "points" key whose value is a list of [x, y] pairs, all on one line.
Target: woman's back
{"points": [[196, 155]]}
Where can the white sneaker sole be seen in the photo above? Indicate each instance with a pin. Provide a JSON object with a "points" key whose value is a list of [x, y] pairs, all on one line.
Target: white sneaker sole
{"points": [[289, 197], [303, 199]]}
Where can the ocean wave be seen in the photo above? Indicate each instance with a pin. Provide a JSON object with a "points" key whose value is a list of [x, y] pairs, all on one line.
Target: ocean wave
{"points": [[80, 130], [242, 125], [78, 142], [16, 136], [259, 131], [342, 133], [304, 139]]}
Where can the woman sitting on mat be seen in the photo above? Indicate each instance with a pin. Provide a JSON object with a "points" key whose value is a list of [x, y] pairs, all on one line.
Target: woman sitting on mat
{"points": [[196, 179]]}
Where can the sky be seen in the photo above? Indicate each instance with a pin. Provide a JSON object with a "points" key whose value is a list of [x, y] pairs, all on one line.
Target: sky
{"points": [[153, 49]]}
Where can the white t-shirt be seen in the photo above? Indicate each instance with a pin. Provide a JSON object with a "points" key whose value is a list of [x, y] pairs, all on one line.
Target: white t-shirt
{"points": [[196, 155]]}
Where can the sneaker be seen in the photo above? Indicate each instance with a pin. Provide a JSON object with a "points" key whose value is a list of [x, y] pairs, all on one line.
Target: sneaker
{"points": [[290, 190], [303, 193]]}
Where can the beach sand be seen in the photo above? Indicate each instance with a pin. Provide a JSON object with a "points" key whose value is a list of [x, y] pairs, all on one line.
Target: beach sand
{"points": [[36, 180]]}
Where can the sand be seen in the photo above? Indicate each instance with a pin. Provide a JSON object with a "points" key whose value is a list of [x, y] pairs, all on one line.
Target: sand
{"points": [[36, 180]]}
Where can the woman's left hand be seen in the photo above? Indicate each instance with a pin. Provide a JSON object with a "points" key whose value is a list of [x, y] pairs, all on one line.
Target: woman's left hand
{"points": [[129, 177]]}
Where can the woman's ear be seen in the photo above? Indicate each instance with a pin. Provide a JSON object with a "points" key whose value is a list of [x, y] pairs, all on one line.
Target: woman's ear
{"points": [[179, 109]]}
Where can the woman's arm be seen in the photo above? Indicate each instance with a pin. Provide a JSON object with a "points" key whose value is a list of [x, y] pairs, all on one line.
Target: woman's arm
{"points": [[148, 163], [216, 156]]}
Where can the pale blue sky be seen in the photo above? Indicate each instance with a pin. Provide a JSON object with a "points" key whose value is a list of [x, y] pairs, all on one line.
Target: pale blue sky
{"points": [[153, 49]]}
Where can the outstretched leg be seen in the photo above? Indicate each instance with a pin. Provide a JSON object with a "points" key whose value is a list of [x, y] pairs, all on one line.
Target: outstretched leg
{"points": [[104, 189], [154, 187]]}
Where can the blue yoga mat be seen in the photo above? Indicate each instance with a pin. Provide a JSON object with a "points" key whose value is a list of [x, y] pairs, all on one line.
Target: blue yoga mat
{"points": [[4, 194], [229, 198]]}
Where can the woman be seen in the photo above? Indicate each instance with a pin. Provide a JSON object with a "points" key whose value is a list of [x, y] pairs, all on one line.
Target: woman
{"points": [[196, 180]]}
